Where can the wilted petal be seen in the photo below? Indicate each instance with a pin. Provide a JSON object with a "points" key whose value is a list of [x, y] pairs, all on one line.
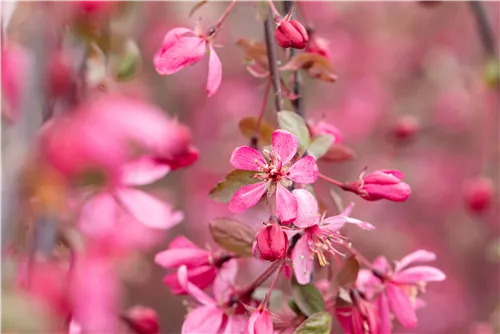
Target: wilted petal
{"points": [[286, 204], [247, 196], [206, 320], [225, 279], [214, 73], [384, 314], [247, 158], [176, 257], [304, 171], [193, 290], [147, 209], [143, 171], [184, 52], [307, 213], [302, 260], [419, 274], [417, 256], [284, 145], [401, 306]]}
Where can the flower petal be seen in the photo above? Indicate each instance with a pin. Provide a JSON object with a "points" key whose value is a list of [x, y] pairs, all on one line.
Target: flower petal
{"points": [[193, 290], [225, 280], [419, 274], [286, 205], [182, 242], [304, 171], [147, 209], [143, 171], [417, 256], [401, 306], [172, 258], [173, 36], [247, 196], [307, 213], [235, 324], [302, 258], [260, 322], [381, 263], [184, 52], [214, 72], [284, 145], [206, 320], [201, 276], [247, 158], [384, 314]]}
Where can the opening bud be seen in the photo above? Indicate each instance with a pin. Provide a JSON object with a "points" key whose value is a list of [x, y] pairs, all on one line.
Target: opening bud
{"points": [[291, 34]]}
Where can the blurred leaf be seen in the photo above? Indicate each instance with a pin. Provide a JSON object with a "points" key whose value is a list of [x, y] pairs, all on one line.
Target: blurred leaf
{"points": [[225, 189], [232, 235], [197, 6], [275, 300], [492, 73], [295, 124], [349, 272], [248, 124], [338, 153], [320, 145], [318, 323], [130, 62], [254, 50], [307, 297], [317, 66], [293, 306]]}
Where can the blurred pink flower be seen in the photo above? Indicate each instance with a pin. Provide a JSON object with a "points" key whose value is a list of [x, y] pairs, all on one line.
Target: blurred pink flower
{"points": [[277, 174], [271, 243], [14, 64], [210, 318], [381, 184], [143, 320], [260, 322], [183, 47], [324, 128], [319, 46], [319, 234], [478, 194]]}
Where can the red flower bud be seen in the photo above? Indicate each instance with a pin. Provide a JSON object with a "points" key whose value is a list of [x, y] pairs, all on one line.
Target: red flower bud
{"points": [[479, 194], [271, 243], [406, 127], [381, 184], [291, 34], [143, 320]]}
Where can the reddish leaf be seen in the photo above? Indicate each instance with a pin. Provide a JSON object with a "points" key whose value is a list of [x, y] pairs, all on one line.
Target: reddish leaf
{"points": [[349, 272], [318, 66], [254, 50], [247, 127]]}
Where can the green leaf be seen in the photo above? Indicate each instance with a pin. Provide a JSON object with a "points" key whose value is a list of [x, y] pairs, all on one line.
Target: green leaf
{"points": [[225, 189], [349, 272], [318, 323], [295, 124], [320, 145], [492, 73], [130, 63], [232, 235], [307, 297]]}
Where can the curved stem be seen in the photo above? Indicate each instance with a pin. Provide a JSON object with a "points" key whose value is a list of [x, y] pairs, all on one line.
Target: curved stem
{"points": [[332, 181], [224, 15], [275, 12]]}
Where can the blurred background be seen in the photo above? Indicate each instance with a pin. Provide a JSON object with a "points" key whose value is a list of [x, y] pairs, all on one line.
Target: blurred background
{"points": [[413, 93]]}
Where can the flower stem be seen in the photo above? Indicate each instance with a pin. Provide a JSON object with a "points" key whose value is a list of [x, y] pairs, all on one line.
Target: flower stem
{"points": [[273, 282], [275, 12], [255, 138], [273, 63], [261, 279], [360, 257], [332, 181], [224, 15]]}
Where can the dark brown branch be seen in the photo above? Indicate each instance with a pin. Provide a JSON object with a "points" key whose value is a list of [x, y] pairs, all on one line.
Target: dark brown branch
{"points": [[273, 63], [483, 27]]}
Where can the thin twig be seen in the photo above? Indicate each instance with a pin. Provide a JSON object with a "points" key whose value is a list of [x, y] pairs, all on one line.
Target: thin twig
{"points": [[273, 63], [483, 27]]}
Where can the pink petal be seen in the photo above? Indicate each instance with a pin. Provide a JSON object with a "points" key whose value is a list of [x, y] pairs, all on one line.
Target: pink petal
{"points": [[172, 258], [347, 210], [99, 215], [302, 258], [333, 224], [173, 36], [260, 322], [147, 209], [359, 223], [304, 171], [214, 73], [235, 324], [182, 242], [381, 263], [247, 158], [417, 256], [401, 306], [384, 314], [184, 52], [286, 204], [247, 196], [193, 290], [284, 145], [201, 276], [143, 171], [307, 213], [206, 320], [419, 274], [224, 281]]}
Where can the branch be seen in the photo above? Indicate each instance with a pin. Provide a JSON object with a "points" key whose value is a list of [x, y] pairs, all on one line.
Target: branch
{"points": [[273, 63], [483, 27]]}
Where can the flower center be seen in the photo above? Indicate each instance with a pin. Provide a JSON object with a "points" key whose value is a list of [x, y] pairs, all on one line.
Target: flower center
{"points": [[321, 243]]}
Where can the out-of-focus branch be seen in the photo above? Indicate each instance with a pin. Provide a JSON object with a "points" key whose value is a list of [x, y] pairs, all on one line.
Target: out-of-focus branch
{"points": [[483, 27], [273, 63]]}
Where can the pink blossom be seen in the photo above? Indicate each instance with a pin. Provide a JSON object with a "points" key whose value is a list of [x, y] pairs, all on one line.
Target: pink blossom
{"points": [[381, 184], [213, 315], [324, 128], [271, 243], [183, 47], [14, 64], [260, 322], [319, 234], [478, 194], [277, 170]]}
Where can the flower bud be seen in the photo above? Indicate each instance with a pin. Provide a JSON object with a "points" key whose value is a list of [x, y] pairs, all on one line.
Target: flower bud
{"points": [[143, 320], [260, 322], [271, 243], [406, 127], [479, 194], [381, 184], [291, 34]]}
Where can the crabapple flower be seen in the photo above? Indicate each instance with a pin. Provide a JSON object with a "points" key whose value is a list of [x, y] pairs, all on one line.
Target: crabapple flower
{"points": [[277, 170], [271, 243], [381, 184], [143, 320], [319, 236], [213, 316], [183, 47], [202, 265], [260, 322], [291, 34], [398, 283], [359, 318], [478, 194]]}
